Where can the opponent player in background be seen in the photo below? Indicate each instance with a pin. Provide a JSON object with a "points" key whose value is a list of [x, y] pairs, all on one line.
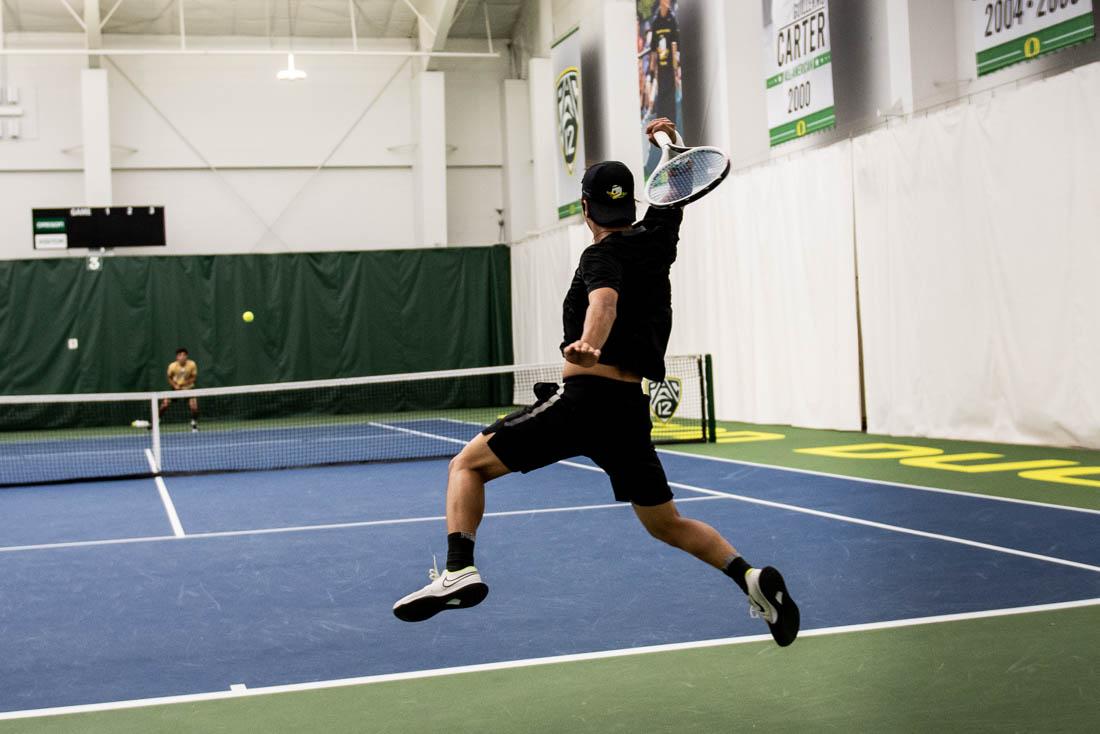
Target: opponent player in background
{"points": [[617, 321], [182, 374]]}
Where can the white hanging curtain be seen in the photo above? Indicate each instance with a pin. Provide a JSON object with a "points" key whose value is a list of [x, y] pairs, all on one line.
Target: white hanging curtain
{"points": [[979, 263], [766, 282], [542, 267]]}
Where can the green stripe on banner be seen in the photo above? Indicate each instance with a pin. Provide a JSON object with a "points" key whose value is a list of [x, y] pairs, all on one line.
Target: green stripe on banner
{"points": [[1067, 33], [568, 210], [816, 122], [796, 71]]}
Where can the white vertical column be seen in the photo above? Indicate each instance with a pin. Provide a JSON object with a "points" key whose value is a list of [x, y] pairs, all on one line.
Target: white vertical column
{"points": [[900, 52], [92, 35], [545, 27], [540, 93], [430, 162], [96, 124], [747, 105], [516, 124], [612, 25]]}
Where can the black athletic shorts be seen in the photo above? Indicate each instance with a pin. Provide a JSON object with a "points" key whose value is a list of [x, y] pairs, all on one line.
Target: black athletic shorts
{"points": [[603, 419]]}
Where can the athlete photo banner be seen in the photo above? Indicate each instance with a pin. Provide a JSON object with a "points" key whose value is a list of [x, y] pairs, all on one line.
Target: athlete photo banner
{"points": [[660, 74], [1007, 32], [566, 57], [798, 48]]}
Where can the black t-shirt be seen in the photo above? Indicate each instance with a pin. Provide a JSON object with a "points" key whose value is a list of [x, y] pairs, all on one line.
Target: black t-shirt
{"points": [[636, 264], [665, 32]]}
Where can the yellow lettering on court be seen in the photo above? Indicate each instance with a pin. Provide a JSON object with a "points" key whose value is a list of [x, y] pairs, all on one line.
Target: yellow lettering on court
{"points": [[872, 451], [1065, 475], [747, 436], [953, 462]]}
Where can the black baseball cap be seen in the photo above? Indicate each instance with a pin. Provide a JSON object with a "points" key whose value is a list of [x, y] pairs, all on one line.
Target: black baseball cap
{"points": [[608, 188]]}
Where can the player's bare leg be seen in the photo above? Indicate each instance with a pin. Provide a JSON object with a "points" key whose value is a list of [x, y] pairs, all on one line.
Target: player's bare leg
{"points": [[665, 523], [467, 474], [459, 585], [193, 405], [767, 592]]}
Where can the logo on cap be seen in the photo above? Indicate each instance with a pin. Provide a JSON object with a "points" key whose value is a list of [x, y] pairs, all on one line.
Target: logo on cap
{"points": [[616, 192]]}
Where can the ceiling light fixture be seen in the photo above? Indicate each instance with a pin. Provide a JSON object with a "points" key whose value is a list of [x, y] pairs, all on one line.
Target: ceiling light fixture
{"points": [[290, 74]]}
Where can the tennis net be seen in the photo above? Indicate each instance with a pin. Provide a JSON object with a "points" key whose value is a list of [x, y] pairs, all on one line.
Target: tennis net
{"points": [[61, 438]]}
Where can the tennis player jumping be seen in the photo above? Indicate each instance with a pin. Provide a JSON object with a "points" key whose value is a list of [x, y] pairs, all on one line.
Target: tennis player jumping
{"points": [[617, 318]]}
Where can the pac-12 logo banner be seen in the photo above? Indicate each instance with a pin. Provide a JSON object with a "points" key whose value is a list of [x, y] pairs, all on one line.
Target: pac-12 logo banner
{"points": [[569, 86], [569, 107], [664, 397]]}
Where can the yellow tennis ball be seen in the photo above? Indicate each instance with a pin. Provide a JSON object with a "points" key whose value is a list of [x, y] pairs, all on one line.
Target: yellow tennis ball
{"points": [[248, 316]]}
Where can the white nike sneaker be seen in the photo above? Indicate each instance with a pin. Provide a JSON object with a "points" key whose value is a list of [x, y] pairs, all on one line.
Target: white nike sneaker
{"points": [[448, 590], [769, 600]]}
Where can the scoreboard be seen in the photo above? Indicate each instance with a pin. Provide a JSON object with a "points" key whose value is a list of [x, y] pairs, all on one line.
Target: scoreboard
{"points": [[98, 227]]}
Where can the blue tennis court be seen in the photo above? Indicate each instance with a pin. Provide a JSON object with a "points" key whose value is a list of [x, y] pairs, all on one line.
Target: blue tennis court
{"points": [[288, 577]]}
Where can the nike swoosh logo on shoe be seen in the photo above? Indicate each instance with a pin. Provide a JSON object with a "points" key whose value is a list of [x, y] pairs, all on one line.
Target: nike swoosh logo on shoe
{"points": [[779, 597], [454, 602], [456, 580]]}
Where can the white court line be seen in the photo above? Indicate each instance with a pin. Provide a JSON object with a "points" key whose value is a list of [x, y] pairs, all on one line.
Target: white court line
{"points": [[847, 477], [419, 433], [243, 692], [702, 490], [165, 498], [307, 528], [884, 482], [868, 523], [820, 513]]}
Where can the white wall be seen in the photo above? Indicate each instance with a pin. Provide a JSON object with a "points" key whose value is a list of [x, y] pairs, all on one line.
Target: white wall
{"points": [[266, 138]]}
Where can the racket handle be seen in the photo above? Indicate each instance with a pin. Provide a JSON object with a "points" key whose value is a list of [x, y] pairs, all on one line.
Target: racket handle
{"points": [[662, 138]]}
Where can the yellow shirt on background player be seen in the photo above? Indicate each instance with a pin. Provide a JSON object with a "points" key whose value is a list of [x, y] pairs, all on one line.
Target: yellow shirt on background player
{"points": [[183, 376], [182, 373]]}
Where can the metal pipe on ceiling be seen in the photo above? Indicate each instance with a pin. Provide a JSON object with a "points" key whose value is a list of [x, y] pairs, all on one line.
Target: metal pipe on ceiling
{"points": [[240, 52]]}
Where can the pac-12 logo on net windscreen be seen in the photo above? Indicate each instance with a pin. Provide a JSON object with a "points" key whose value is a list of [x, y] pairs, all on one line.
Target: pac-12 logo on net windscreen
{"points": [[664, 397], [569, 125]]}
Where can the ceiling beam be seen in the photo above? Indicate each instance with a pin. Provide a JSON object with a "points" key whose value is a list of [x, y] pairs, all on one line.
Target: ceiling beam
{"points": [[434, 19], [110, 12], [92, 31], [12, 14], [298, 51], [76, 15]]}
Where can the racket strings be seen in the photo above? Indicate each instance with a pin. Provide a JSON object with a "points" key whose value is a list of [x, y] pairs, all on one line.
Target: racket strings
{"points": [[685, 175]]}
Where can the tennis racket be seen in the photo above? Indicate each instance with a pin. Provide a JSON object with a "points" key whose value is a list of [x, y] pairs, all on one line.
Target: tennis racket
{"points": [[684, 174]]}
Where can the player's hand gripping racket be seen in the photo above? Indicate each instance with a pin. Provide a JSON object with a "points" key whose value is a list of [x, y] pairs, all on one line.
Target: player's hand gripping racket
{"points": [[684, 174]]}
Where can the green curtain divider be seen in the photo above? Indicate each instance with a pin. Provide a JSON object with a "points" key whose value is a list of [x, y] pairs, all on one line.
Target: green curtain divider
{"points": [[318, 316]]}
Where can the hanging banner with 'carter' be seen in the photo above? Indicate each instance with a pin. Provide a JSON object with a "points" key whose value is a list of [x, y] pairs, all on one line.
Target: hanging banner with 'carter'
{"points": [[798, 61]]}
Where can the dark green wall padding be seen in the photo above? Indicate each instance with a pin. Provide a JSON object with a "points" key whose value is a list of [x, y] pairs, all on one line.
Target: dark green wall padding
{"points": [[318, 315]]}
